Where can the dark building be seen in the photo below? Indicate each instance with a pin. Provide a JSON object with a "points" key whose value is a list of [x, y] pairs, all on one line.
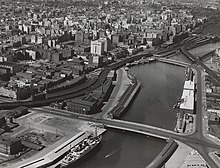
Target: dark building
{"points": [[79, 37], [118, 53], [19, 111], [10, 146], [82, 48], [2, 121], [115, 38], [81, 106], [95, 61], [102, 34], [9, 67], [56, 57]]}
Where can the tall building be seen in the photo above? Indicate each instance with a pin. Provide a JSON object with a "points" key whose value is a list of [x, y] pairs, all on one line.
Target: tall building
{"points": [[33, 39], [79, 37], [56, 57], [107, 43], [96, 61], [97, 47], [115, 38]]}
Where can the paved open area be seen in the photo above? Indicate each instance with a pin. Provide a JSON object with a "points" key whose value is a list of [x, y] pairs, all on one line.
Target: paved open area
{"points": [[45, 129]]}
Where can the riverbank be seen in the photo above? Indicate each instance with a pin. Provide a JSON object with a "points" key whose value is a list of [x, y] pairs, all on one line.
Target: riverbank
{"points": [[52, 155], [190, 153], [170, 148], [126, 87], [164, 155], [121, 84], [126, 99], [184, 156]]}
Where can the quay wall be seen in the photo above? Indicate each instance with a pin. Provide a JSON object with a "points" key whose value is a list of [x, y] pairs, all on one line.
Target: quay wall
{"points": [[125, 100], [164, 155], [54, 155]]}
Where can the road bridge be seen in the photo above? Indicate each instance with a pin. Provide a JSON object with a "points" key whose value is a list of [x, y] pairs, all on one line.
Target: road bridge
{"points": [[131, 126], [139, 128], [173, 62], [214, 76]]}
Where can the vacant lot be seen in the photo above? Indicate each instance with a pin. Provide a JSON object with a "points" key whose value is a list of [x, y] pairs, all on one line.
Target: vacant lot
{"points": [[44, 129]]}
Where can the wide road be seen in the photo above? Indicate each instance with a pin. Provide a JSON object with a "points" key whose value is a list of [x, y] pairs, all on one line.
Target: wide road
{"points": [[131, 126], [201, 131], [201, 124]]}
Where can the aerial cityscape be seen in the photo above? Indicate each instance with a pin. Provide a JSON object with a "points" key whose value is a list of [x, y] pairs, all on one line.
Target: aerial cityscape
{"points": [[110, 84]]}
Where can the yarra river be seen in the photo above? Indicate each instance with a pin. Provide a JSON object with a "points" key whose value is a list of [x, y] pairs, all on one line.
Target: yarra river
{"points": [[161, 87]]}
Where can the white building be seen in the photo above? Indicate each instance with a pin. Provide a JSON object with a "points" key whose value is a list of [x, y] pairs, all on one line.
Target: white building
{"points": [[32, 54], [194, 160], [187, 99], [189, 85], [33, 39], [97, 47]]}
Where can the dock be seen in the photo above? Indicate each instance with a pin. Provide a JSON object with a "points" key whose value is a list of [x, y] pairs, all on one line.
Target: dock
{"points": [[51, 158], [125, 100]]}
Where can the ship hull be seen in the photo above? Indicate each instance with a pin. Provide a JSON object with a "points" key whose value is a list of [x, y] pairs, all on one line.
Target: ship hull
{"points": [[65, 164]]}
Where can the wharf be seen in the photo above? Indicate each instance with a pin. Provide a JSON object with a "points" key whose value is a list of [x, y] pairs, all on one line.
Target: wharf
{"points": [[125, 100], [178, 158], [52, 157], [136, 88], [121, 84]]}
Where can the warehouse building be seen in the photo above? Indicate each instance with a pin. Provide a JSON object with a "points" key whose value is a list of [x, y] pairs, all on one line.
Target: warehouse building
{"points": [[10, 146]]}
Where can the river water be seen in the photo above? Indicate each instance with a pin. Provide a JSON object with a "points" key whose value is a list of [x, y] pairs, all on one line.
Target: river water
{"points": [[161, 87]]}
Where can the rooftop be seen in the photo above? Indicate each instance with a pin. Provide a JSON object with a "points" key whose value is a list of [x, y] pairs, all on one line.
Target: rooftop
{"points": [[189, 85], [7, 63], [81, 102], [7, 140], [187, 100]]}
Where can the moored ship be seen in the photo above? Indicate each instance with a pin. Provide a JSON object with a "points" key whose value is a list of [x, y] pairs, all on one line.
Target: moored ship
{"points": [[80, 150]]}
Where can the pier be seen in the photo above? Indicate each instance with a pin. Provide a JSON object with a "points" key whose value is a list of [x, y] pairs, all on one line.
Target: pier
{"points": [[125, 100], [50, 158]]}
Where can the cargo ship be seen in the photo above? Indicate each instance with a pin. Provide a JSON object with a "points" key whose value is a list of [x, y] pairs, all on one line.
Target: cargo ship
{"points": [[80, 150]]}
